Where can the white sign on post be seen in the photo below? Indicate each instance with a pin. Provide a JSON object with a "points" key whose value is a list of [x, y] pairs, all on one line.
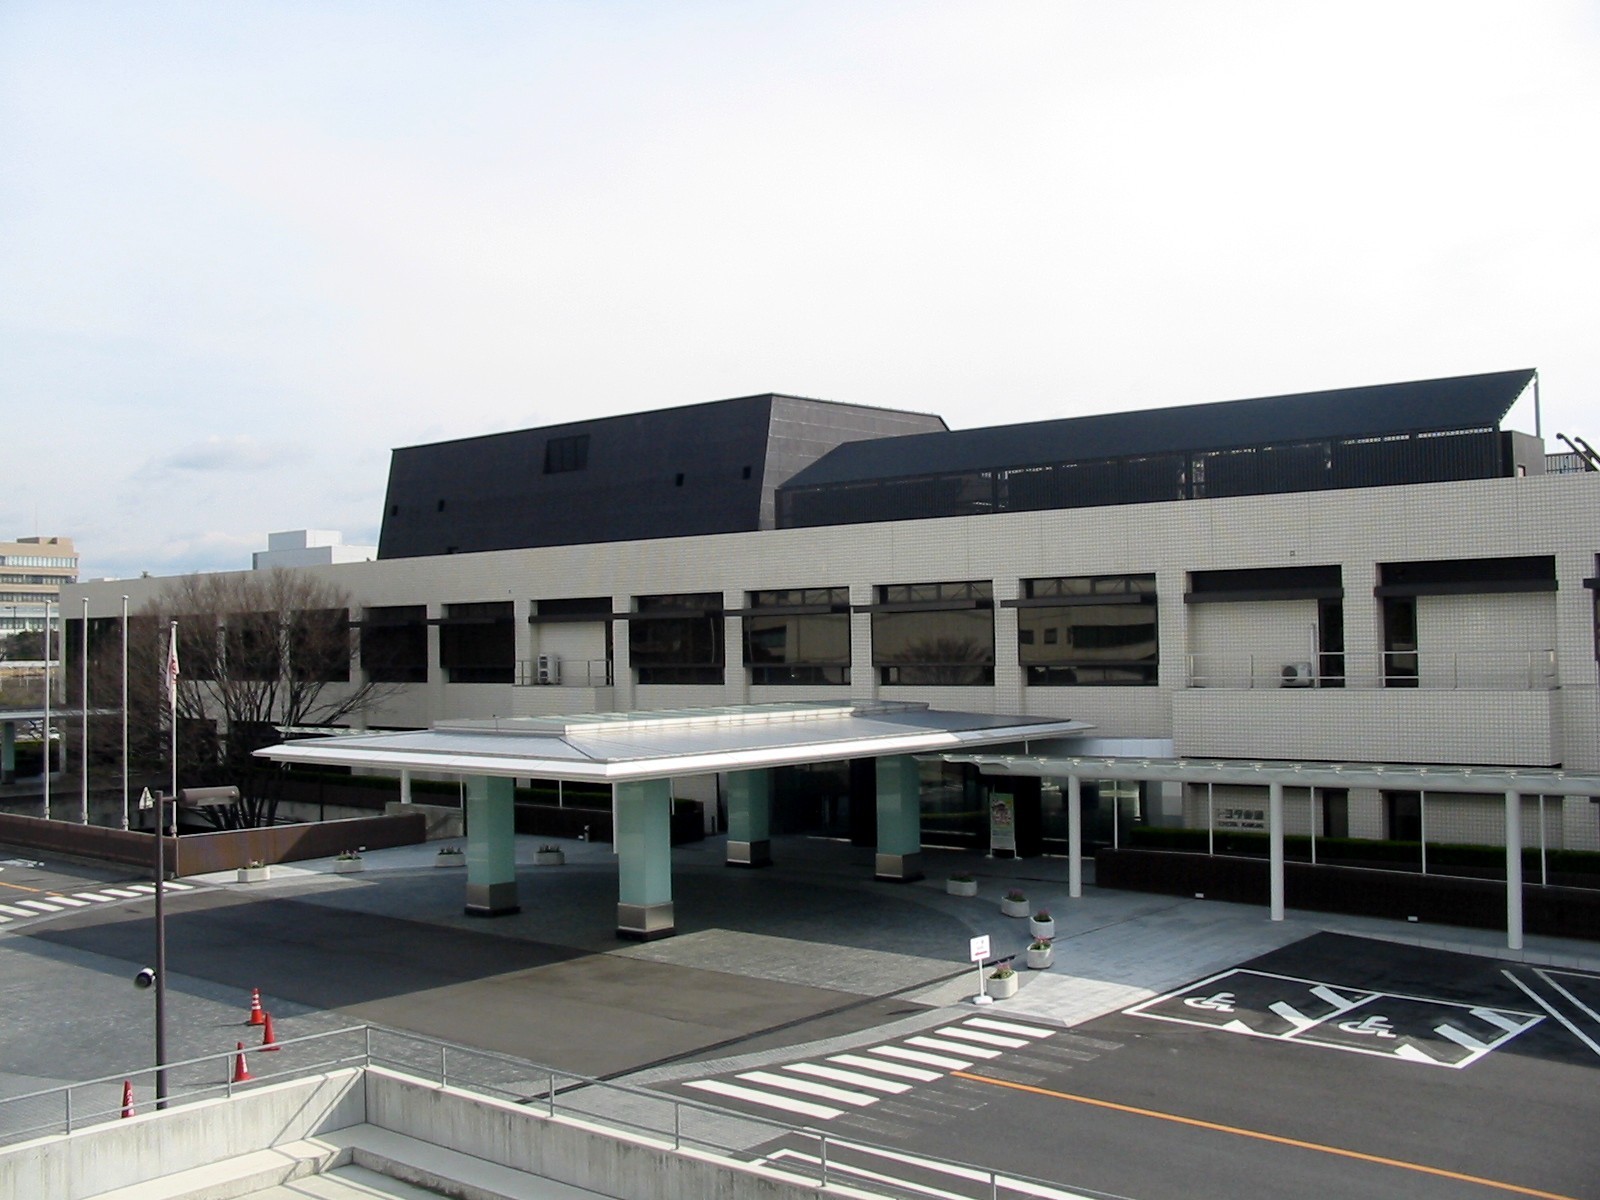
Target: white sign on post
{"points": [[978, 951], [146, 800]]}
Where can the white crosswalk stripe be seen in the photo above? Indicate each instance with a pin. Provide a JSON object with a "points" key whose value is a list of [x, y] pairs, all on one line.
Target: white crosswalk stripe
{"points": [[886, 1068], [11, 910], [122, 893], [41, 905], [97, 897], [5, 920], [69, 901], [51, 903], [858, 1080], [146, 888]]}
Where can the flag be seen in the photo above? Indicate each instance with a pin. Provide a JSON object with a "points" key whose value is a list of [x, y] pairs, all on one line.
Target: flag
{"points": [[172, 669]]}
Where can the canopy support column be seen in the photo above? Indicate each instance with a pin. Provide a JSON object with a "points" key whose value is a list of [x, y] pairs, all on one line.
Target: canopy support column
{"points": [[899, 819], [644, 860], [1514, 870], [749, 819], [1275, 838], [8, 751], [491, 847], [1074, 837]]}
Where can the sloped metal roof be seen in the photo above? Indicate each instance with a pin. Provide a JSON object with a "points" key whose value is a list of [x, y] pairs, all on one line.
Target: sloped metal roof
{"points": [[613, 747], [1425, 406]]}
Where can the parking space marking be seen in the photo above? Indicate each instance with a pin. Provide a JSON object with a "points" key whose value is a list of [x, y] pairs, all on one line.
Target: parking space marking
{"points": [[1545, 1004], [1432, 1032]]}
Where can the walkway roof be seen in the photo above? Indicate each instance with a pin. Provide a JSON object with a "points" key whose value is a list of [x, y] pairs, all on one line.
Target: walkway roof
{"points": [[1406, 777], [619, 747]]}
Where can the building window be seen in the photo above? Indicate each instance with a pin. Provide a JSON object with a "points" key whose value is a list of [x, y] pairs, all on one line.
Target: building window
{"points": [[478, 643], [934, 634], [677, 639], [394, 644], [1089, 630], [798, 636], [319, 645], [252, 647], [566, 454]]}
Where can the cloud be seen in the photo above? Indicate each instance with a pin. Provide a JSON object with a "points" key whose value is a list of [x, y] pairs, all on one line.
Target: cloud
{"points": [[239, 453]]}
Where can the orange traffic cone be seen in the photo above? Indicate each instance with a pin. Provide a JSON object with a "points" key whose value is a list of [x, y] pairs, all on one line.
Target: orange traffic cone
{"points": [[255, 1006], [127, 1097], [241, 1069], [268, 1041]]}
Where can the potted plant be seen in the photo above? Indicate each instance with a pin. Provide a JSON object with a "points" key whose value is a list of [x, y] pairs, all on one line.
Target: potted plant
{"points": [[348, 861], [450, 856], [1040, 954], [1003, 982], [255, 872], [1014, 903], [549, 855], [1042, 926], [961, 884]]}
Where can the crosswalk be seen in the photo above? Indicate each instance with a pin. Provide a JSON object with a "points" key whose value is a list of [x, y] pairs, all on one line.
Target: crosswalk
{"points": [[52, 903], [851, 1082]]}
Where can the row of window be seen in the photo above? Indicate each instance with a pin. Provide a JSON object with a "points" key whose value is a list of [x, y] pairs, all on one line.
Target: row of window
{"points": [[1071, 631], [36, 560]]}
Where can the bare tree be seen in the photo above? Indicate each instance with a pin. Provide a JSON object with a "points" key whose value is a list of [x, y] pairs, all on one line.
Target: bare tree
{"points": [[258, 653]]}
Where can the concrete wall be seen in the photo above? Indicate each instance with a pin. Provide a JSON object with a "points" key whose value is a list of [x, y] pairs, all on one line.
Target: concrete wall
{"points": [[154, 1144]]}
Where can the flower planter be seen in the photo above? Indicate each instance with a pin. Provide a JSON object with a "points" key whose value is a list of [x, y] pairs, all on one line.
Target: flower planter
{"points": [[961, 887], [549, 858], [1014, 908], [449, 860], [347, 866], [254, 874], [1039, 960], [1042, 930], [1003, 987]]}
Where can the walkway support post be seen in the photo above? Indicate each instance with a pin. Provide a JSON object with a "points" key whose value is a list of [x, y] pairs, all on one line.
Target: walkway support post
{"points": [[1514, 870], [1275, 837], [749, 819], [1074, 837], [899, 819], [644, 860], [491, 847], [8, 751]]}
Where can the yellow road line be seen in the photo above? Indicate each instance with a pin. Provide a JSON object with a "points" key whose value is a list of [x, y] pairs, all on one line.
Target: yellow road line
{"points": [[1277, 1139], [19, 887]]}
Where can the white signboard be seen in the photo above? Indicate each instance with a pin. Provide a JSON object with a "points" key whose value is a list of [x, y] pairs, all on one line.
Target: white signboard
{"points": [[979, 950], [1002, 822]]}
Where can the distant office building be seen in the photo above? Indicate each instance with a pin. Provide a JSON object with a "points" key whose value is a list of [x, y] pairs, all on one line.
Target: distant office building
{"points": [[309, 548], [32, 572]]}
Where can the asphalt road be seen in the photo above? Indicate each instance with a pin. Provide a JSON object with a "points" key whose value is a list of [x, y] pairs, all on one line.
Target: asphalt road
{"points": [[1322, 1069]]}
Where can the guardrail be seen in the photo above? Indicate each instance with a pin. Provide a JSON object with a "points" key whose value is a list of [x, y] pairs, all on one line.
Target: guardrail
{"points": [[565, 672], [621, 1108], [1515, 671]]}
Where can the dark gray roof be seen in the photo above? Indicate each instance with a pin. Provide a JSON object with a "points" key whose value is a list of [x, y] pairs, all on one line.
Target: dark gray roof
{"points": [[1461, 403]]}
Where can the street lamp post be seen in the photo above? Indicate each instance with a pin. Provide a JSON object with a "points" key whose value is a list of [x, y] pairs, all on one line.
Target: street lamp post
{"points": [[146, 800]]}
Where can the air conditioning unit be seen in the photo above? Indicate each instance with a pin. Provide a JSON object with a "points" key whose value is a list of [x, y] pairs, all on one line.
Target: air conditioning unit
{"points": [[549, 668], [1298, 675]]}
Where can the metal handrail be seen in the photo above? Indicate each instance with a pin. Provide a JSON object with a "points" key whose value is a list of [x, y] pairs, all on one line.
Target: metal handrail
{"points": [[1441, 670], [451, 1072]]}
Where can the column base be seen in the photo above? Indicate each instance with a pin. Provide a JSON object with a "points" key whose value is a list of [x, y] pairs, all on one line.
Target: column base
{"points": [[750, 854], [898, 868], [492, 900], [645, 922]]}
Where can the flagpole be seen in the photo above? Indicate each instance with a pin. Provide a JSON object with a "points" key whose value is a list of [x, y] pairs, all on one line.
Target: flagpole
{"points": [[46, 710], [172, 693], [83, 723], [124, 712]]}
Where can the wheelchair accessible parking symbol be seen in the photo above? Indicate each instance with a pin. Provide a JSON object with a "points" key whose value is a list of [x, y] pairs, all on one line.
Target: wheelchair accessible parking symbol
{"points": [[1439, 1033]]}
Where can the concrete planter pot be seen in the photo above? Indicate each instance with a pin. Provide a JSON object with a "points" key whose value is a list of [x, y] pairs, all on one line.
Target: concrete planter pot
{"points": [[254, 874], [549, 858], [1039, 960], [961, 887], [347, 866], [1014, 908], [449, 860], [1042, 930], [1002, 987]]}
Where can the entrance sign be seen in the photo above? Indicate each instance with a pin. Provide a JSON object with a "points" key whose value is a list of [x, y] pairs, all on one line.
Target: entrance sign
{"points": [[978, 949], [1002, 822]]}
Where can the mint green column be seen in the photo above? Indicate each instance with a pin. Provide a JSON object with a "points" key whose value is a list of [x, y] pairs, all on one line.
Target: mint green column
{"points": [[899, 819], [749, 819], [643, 837], [8, 751], [491, 848]]}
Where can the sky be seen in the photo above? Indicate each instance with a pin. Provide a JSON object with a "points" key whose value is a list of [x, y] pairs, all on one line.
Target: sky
{"points": [[247, 249]]}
